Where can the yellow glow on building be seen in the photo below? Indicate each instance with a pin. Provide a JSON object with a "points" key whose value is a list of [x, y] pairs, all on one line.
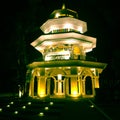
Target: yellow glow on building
{"points": [[74, 93], [41, 89], [97, 82], [76, 50], [59, 76], [41, 93]]}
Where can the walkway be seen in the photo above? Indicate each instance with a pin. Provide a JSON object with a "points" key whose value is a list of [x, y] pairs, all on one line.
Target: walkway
{"points": [[51, 109]]}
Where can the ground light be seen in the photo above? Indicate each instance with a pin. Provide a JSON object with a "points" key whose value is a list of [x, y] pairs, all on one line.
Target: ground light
{"points": [[0, 109], [41, 114], [11, 102], [91, 106], [16, 112], [51, 103], [8, 106], [23, 107], [46, 108], [29, 103]]}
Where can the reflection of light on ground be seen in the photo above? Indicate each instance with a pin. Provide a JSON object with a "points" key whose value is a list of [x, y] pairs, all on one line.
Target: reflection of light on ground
{"points": [[74, 93]]}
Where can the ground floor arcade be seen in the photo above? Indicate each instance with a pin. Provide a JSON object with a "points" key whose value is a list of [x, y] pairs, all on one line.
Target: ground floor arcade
{"points": [[62, 81]]}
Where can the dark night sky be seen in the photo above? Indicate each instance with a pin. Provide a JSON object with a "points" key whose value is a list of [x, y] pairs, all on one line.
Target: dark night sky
{"points": [[21, 19]]}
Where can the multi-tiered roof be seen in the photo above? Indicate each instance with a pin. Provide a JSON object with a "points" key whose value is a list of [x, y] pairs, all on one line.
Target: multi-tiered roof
{"points": [[63, 36]]}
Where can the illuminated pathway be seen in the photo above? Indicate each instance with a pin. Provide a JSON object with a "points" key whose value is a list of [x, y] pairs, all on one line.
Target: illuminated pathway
{"points": [[29, 109]]}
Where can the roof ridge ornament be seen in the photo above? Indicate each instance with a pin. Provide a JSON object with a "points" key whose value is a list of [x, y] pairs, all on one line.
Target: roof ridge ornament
{"points": [[63, 6]]}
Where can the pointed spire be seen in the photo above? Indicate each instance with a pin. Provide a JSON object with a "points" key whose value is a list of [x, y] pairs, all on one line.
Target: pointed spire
{"points": [[63, 6]]}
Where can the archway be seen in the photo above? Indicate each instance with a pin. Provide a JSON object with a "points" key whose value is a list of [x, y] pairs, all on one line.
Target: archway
{"points": [[88, 85], [35, 86], [57, 82], [52, 86]]}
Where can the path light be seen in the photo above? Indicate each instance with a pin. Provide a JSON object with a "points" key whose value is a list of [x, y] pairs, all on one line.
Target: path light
{"points": [[46, 108], [92, 106], [16, 112], [8, 106], [51, 103], [20, 91], [12, 102], [23, 107], [41, 114], [29, 103], [0, 109]]}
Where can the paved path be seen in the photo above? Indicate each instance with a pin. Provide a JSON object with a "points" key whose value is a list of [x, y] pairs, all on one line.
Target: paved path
{"points": [[52, 109], [84, 110]]}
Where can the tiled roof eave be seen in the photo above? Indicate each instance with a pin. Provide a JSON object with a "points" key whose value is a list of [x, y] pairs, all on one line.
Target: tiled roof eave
{"points": [[65, 63]]}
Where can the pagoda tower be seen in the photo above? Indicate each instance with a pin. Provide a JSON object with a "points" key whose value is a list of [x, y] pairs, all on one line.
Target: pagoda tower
{"points": [[64, 71]]}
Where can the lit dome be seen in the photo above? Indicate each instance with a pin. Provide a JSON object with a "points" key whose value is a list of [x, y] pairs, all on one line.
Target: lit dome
{"points": [[63, 13]]}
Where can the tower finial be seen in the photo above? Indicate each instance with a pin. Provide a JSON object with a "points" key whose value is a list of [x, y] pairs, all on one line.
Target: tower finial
{"points": [[63, 6]]}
